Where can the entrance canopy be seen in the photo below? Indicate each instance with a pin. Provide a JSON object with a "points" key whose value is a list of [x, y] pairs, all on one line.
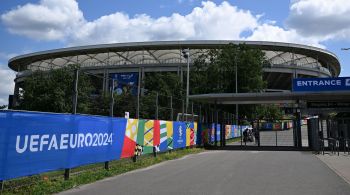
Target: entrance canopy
{"points": [[272, 97]]}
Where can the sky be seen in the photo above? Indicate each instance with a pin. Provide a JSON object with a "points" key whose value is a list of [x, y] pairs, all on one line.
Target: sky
{"points": [[37, 25]]}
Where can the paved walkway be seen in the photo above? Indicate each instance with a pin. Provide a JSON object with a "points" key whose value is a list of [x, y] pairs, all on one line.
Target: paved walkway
{"points": [[339, 164], [228, 172]]}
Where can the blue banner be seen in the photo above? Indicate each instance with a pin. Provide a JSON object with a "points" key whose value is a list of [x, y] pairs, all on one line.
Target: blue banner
{"points": [[125, 82], [321, 84], [179, 134], [218, 132], [32, 143]]}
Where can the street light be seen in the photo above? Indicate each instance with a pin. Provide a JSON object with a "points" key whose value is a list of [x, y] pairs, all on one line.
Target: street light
{"points": [[186, 54], [236, 84]]}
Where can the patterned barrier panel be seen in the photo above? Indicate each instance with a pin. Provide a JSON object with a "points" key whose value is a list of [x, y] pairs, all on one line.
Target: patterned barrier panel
{"points": [[170, 134], [130, 138], [179, 136], [228, 134], [218, 132], [205, 134], [163, 136], [32, 143]]}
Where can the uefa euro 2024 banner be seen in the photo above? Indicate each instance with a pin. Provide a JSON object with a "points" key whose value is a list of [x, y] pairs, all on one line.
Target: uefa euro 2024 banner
{"points": [[33, 143]]}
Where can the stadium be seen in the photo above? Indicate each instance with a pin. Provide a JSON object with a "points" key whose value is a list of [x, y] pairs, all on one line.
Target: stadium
{"points": [[285, 60]]}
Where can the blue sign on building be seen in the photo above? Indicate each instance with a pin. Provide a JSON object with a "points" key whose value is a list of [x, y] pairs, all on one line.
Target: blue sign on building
{"points": [[321, 84], [125, 82]]}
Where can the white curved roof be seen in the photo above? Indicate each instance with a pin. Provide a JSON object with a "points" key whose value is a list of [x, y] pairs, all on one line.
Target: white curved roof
{"points": [[167, 52]]}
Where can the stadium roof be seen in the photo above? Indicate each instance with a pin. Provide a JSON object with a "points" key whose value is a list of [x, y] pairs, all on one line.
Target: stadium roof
{"points": [[159, 52]]}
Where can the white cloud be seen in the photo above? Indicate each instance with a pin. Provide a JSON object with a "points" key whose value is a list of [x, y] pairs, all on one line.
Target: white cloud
{"points": [[63, 20], [6, 85], [324, 20], [210, 21], [48, 20], [267, 32]]}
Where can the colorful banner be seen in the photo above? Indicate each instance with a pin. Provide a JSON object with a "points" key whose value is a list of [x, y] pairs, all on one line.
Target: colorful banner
{"points": [[170, 134], [191, 129], [218, 132], [195, 132], [228, 134], [179, 136], [204, 132], [163, 136], [148, 133], [32, 143], [130, 138]]}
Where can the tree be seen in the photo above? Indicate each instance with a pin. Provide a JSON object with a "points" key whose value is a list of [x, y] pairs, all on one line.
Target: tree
{"points": [[166, 84], [3, 107], [214, 72], [52, 91]]}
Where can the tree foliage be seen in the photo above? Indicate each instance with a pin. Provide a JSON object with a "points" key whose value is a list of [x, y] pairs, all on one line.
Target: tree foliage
{"points": [[215, 72], [3, 107], [166, 84], [52, 91]]}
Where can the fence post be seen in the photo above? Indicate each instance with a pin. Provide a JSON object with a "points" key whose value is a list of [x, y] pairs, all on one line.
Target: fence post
{"points": [[154, 151], [216, 126], [66, 174], [75, 91], [183, 110], [107, 165], [1, 185], [157, 105], [200, 114], [75, 103], [192, 113], [138, 94], [276, 136], [111, 110], [258, 130], [171, 108], [111, 105]]}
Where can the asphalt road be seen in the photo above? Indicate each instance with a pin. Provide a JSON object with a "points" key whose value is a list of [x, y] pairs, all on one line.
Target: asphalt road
{"points": [[227, 172]]}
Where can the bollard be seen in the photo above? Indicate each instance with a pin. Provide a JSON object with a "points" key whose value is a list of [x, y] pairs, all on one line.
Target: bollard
{"points": [[276, 136], [107, 165], [66, 174], [134, 158], [137, 152]]}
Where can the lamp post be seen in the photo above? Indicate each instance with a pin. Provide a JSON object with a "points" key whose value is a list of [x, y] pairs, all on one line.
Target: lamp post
{"points": [[236, 86], [186, 54]]}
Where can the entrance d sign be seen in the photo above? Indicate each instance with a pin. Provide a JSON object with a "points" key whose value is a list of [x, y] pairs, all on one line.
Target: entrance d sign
{"points": [[321, 84]]}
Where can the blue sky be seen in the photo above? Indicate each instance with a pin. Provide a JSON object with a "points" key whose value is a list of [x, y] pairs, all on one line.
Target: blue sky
{"points": [[35, 25]]}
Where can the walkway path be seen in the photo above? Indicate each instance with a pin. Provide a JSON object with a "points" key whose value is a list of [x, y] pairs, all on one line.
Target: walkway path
{"points": [[228, 172]]}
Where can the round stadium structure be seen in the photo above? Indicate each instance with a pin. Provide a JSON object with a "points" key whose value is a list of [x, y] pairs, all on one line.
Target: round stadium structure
{"points": [[285, 60]]}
